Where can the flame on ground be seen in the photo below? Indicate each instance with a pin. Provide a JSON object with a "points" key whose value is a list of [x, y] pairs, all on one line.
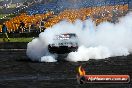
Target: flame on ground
{"points": [[81, 71]]}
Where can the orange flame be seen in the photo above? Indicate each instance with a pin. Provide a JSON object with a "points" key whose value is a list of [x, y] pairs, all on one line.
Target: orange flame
{"points": [[81, 71]]}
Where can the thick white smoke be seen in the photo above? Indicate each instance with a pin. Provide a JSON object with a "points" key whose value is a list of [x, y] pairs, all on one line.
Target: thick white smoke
{"points": [[95, 42]]}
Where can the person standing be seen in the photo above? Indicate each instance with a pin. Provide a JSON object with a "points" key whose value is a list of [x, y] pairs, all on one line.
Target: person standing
{"points": [[21, 27], [4, 31]]}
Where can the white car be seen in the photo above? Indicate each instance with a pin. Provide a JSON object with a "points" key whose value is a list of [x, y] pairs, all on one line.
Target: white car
{"points": [[64, 43]]}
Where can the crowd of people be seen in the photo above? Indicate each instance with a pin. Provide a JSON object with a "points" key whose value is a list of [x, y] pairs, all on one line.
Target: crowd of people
{"points": [[60, 5], [98, 14], [23, 22]]}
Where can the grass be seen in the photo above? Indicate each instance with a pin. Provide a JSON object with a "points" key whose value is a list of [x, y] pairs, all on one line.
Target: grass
{"points": [[17, 40], [7, 16], [2, 15]]}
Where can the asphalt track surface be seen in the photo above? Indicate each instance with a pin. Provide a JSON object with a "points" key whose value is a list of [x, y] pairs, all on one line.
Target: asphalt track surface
{"points": [[17, 71]]}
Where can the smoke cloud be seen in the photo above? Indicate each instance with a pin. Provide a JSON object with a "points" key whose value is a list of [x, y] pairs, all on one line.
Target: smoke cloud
{"points": [[95, 42]]}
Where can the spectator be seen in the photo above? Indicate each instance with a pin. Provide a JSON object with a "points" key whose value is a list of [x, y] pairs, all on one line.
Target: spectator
{"points": [[4, 31], [21, 27]]}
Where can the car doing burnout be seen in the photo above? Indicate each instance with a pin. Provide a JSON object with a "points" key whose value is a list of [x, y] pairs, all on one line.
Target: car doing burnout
{"points": [[64, 43]]}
